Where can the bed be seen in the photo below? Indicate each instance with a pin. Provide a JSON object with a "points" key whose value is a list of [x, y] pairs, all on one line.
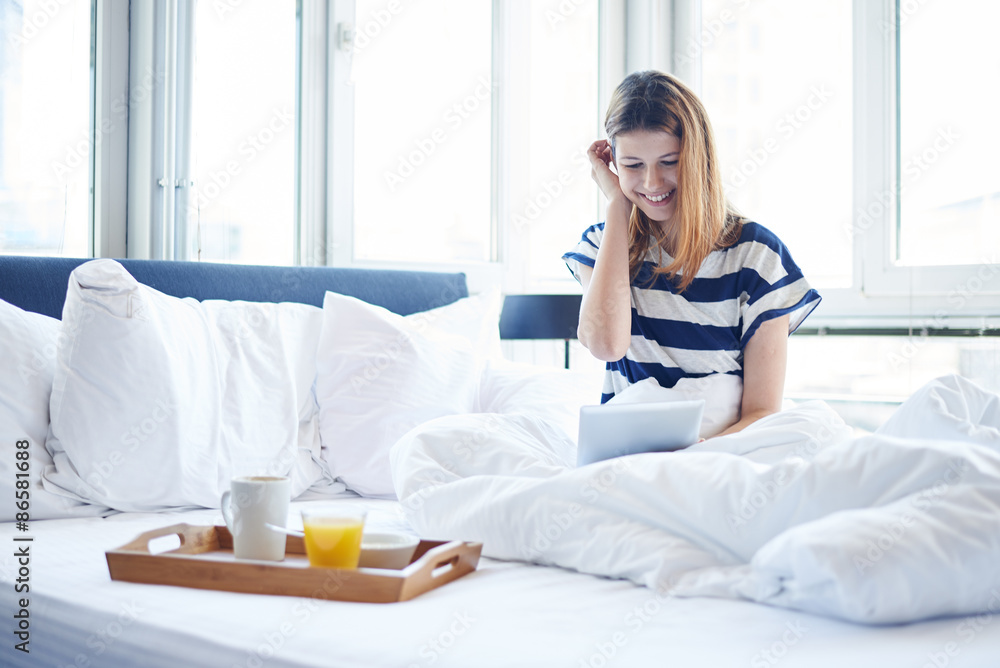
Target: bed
{"points": [[508, 612]]}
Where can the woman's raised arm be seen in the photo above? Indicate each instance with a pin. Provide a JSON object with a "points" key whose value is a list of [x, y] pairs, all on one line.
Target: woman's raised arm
{"points": [[605, 327]]}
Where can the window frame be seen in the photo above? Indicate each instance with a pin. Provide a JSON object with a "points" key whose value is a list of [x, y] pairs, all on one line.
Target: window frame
{"points": [[884, 294], [339, 227], [313, 127], [109, 123], [882, 276]]}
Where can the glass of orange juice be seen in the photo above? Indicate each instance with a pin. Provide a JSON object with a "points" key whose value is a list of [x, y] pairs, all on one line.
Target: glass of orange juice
{"points": [[333, 536]]}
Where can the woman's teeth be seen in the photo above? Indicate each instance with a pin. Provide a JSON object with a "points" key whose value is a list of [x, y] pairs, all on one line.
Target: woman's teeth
{"points": [[658, 198]]}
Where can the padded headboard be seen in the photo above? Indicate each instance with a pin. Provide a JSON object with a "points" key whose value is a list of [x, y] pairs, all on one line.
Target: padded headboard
{"points": [[39, 283]]}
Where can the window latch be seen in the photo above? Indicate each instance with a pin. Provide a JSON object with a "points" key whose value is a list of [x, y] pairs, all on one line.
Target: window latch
{"points": [[345, 36]]}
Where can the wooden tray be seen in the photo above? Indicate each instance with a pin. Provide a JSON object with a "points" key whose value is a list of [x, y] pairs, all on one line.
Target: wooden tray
{"points": [[205, 560]]}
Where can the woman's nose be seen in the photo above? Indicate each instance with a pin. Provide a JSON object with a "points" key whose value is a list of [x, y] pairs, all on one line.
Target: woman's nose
{"points": [[653, 179]]}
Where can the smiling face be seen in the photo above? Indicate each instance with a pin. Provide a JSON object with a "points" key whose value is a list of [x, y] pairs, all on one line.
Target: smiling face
{"points": [[647, 172]]}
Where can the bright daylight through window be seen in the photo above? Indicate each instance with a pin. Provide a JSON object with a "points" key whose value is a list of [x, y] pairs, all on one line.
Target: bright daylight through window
{"points": [[422, 131], [243, 205], [949, 175], [780, 101], [558, 199], [45, 139]]}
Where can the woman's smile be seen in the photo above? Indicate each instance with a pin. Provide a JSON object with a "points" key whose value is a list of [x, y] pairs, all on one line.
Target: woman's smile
{"points": [[662, 199]]}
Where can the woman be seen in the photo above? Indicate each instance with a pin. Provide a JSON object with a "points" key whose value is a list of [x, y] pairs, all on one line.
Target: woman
{"points": [[677, 286]]}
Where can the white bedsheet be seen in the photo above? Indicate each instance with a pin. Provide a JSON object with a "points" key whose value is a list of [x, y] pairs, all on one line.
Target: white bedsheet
{"points": [[898, 526], [506, 614]]}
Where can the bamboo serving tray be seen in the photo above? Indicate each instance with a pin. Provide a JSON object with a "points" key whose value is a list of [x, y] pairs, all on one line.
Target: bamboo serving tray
{"points": [[205, 560]]}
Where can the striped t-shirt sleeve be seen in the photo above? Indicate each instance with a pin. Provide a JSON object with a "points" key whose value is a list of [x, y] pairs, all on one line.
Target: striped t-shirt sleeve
{"points": [[773, 285], [585, 252]]}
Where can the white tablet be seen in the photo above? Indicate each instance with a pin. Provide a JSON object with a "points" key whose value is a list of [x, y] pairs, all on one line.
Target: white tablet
{"points": [[614, 430]]}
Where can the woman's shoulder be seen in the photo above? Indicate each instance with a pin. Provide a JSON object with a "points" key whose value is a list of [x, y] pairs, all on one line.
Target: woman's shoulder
{"points": [[755, 239], [594, 233], [753, 232], [760, 250]]}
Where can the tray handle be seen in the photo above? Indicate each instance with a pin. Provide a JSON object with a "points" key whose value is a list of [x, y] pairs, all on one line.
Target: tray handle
{"points": [[194, 539], [441, 565]]}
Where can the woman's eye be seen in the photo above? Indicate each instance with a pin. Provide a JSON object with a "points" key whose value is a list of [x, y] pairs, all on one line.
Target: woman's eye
{"points": [[635, 166], [669, 163]]}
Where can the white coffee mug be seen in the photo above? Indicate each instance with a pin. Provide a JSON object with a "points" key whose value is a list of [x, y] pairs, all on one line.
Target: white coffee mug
{"points": [[251, 504]]}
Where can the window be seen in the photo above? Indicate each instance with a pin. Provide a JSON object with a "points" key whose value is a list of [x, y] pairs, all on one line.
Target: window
{"points": [[45, 137], [242, 208], [879, 177], [423, 99], [866, 146], [552, 197], [866, 377], [915, 171], [948, 173], [779, 94]]}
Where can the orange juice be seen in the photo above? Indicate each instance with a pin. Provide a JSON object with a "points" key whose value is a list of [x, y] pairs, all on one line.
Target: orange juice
{"points": [[333, 542]]}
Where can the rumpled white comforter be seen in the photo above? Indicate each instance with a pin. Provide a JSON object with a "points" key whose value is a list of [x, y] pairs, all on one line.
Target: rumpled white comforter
{"points": [[794, 511]]}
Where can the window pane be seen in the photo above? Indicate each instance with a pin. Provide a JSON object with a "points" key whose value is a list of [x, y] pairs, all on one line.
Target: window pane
{"points": [[243, 118], [45, 137], [562, 122], [949, 175], [865, 377], [422, 116], [779, 94]]}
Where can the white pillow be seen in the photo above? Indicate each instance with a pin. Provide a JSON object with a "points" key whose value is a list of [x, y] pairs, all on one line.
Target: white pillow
{"points": [[380, 374], [158, 402], [476, 318], [28, 341]]}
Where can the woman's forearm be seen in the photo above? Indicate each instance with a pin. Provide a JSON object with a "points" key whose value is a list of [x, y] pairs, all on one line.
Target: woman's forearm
{"points": [[606, 310]]}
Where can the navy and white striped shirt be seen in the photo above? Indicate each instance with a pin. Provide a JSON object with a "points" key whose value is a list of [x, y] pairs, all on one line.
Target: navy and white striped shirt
{"points": [[703, 330]]}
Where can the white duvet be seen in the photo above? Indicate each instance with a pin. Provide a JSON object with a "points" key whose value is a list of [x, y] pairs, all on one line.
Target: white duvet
{"points": [[794, 511]]}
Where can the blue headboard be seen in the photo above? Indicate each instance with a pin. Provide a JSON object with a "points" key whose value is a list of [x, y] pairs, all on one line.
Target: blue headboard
{"points": [[39, 283]]}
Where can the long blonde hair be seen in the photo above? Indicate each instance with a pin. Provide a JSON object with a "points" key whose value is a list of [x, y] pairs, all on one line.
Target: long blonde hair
{"points": [[703, 220]]}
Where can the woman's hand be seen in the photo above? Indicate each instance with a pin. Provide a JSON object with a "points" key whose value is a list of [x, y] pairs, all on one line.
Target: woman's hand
{"points": [[600, 157]]}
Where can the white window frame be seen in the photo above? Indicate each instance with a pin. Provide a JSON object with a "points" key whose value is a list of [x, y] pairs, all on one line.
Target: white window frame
{"points": [[885, 294], [159, 128], [509, 112], [882, 292], [313, 150], [109, 128], [139, 185], [340, 129], [339, 219], [929, 292]]}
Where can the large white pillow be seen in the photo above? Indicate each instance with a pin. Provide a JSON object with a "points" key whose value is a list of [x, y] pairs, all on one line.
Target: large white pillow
{"points": [[380, 374], [28, 341], [475, 318], [158, 402]]}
